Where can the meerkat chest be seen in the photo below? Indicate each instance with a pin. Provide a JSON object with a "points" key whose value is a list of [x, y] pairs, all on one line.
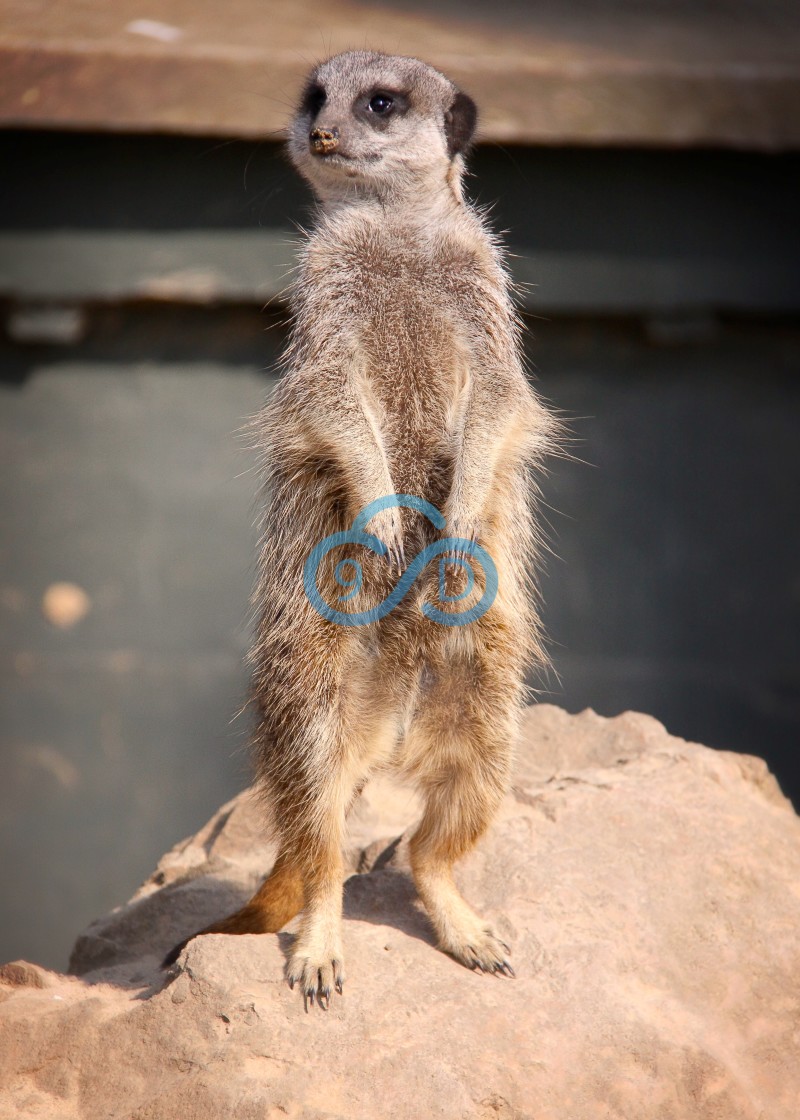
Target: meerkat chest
{"points": [[413, 310]]}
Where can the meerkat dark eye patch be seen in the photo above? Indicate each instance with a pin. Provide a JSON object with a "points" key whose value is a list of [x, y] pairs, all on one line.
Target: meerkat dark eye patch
{"points": [[314, 97], [459, 123]]}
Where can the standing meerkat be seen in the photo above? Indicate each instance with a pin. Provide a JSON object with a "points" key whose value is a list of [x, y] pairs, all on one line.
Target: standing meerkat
{"points": [[404, 376]]}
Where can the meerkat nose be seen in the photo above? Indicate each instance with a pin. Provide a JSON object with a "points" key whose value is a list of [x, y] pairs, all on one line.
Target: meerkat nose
{"points": [[324, 140]]}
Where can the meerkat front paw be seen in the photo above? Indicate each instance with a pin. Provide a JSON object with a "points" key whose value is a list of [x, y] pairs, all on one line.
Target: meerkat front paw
{"points": [[388, 528], [466, 529], [317, 975]]}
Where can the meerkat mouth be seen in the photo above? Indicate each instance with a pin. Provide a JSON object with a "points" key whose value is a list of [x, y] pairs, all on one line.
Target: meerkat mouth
{"points": [[336, 156]]}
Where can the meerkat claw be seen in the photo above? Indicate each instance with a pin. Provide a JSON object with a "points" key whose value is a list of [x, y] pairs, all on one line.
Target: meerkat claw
{"points": [[317, 982]]}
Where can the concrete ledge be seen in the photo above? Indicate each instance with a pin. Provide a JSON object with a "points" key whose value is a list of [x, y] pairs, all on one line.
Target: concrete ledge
{"points": [[618, 73]]}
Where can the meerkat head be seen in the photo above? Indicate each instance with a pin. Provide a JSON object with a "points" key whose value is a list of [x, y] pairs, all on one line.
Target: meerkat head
{"points": [[382, 125]]}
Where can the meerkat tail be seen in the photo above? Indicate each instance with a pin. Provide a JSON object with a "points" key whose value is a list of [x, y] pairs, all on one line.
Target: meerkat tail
{"points": [[279, 899]]}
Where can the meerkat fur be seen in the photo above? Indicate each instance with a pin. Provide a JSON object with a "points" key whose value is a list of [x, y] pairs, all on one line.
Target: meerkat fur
{"points": [[403, 376]]}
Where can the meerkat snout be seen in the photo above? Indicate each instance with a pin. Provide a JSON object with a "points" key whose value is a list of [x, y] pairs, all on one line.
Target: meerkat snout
{"points": [[324, 140]]}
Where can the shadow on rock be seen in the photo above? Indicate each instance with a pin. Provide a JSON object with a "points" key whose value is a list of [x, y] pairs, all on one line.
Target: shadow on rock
{"points": [[150, 926]]}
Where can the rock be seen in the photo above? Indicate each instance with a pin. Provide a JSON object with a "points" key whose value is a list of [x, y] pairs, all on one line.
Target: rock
{"points": [[648, 887], [23, 974]]}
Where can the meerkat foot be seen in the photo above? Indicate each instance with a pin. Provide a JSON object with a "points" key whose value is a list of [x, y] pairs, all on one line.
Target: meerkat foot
{"points": [[461, 932], [480, 950], [317, 974], [316, 964]]}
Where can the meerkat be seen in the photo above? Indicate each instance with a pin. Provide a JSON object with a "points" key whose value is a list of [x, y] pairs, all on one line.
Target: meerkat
{"points": [[403, 376]]}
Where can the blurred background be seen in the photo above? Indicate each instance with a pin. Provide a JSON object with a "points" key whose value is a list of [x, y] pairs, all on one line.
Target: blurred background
{"points": [[643, 158]]}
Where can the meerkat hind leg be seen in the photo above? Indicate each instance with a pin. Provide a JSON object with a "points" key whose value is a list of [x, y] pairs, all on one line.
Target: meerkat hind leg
{"points": [[461, 932], [315, 830], [463, 783], [317, 960]]}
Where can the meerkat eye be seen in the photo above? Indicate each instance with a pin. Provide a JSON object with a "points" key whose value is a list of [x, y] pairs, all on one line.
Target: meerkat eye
{"points": [[314, 98], [381, 103]]}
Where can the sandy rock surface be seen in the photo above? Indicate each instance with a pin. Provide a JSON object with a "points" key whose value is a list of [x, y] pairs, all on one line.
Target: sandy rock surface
{"points": [[649, 888]]}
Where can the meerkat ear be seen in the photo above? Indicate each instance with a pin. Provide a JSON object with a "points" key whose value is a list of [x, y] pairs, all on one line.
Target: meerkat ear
{"points": [[459, 123]]}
